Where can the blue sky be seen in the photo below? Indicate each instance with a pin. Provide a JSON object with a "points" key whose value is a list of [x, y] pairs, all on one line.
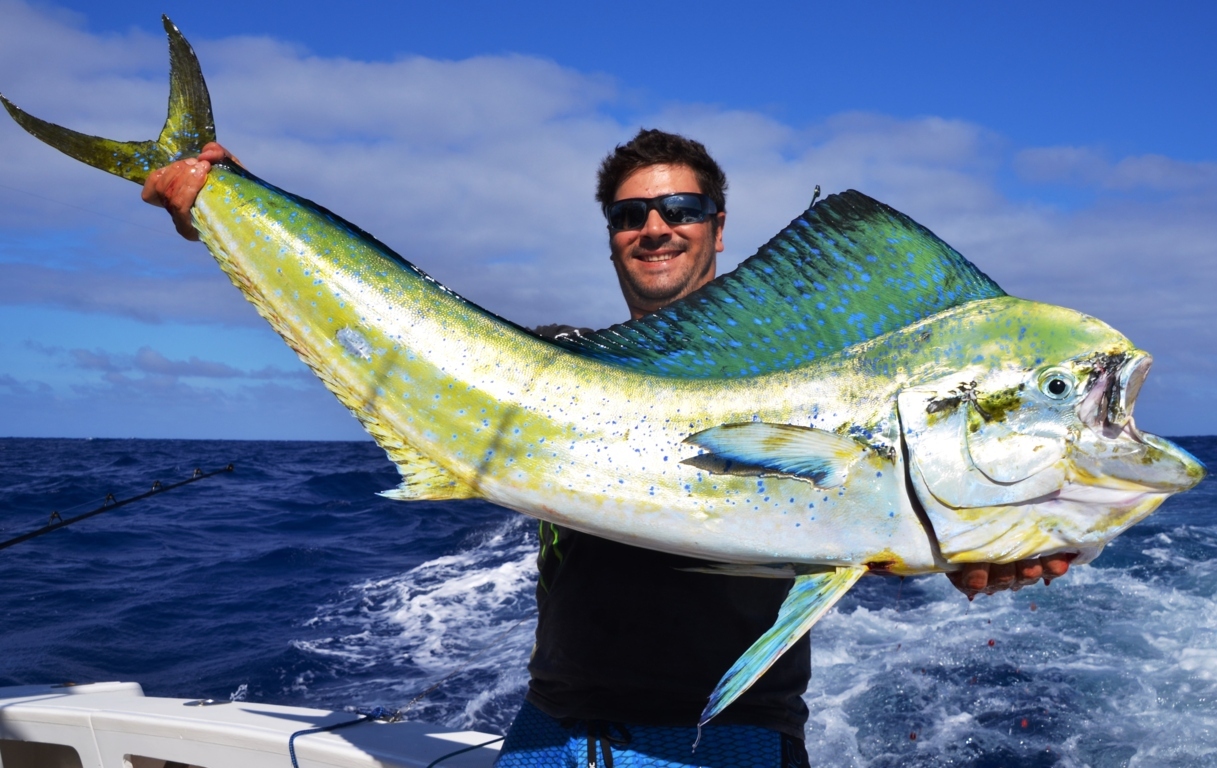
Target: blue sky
{"points": [[1067, 149]]}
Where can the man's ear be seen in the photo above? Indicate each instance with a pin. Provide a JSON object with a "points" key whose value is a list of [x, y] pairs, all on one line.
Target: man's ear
{"points": [[720, 221]]}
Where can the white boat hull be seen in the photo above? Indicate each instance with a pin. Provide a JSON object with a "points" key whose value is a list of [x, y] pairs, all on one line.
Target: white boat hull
{"points": [[113, 725]]}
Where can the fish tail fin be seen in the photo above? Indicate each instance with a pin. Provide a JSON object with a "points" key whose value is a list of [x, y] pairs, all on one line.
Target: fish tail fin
{"points": [[188, 126]]}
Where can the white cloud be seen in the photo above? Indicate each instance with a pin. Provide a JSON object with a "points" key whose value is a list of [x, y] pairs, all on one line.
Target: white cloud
{"points": [[149, 361], [1090, 167], [481, 172], [198, 298]]}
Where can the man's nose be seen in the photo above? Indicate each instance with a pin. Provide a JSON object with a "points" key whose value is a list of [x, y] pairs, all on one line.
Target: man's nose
{"points": [[655, 226]]}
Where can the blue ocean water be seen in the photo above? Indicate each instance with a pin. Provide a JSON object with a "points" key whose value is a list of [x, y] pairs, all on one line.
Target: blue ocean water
{"points": [[289, 581]]}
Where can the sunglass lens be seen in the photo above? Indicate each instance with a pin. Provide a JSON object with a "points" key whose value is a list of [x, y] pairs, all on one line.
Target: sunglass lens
{"points": [[682, 209], [628, 214]]}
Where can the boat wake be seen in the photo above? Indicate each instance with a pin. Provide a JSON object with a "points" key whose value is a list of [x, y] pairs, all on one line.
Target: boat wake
{"points": [[470, 614]]}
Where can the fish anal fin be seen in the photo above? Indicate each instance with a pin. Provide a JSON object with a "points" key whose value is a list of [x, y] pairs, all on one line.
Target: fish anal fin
{"points": [[757, 448], [423, 479], [809, 599]]}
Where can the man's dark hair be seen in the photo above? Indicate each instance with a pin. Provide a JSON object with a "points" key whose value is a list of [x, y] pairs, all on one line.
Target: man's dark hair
{"points": [[655, 147]]}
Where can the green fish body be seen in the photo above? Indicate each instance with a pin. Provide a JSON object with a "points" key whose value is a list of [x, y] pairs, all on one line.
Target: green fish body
{"points": [[855, 397]]}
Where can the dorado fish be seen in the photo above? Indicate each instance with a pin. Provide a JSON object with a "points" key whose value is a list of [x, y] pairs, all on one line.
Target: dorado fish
{"points": [[855, 397]]}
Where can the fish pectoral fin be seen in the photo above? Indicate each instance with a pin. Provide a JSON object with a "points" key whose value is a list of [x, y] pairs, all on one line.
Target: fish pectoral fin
{"points": [[422, 479], [757, 448], [810, 597]]}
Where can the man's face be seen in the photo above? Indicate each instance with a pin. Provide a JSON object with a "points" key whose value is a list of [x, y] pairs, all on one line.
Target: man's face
{"points": [[662, 262]]}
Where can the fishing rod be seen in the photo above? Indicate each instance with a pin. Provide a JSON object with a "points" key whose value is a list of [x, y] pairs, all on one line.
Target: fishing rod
{"points": [[110, 503]]}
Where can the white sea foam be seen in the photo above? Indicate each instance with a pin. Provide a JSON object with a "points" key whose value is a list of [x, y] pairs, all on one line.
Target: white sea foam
{"points": [[470, 614], [1112, 668], [1107, 667]]}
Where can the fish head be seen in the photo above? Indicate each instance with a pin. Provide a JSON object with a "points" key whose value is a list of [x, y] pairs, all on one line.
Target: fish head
{"points": [[1029, 447]]}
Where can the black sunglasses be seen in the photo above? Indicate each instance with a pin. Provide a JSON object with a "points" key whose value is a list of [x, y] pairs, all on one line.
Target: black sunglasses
{"points": [[676, 209]]}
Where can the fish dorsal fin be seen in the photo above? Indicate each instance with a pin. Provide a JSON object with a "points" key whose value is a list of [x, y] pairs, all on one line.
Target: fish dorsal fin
{"points": [[809, 598], [849, 269]]}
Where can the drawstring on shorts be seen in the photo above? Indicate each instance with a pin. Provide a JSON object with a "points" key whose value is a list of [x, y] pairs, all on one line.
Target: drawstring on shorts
{"points": [[608, 734]]}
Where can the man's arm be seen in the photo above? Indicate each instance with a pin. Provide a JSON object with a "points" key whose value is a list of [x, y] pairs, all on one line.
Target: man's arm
{"points": [[175, 186]]}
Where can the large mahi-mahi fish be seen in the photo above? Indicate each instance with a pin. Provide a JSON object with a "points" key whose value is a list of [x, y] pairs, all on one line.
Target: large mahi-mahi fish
{"points": [[856, 396]]}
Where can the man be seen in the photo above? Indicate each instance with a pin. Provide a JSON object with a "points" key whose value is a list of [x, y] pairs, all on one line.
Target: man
{"points": [[629, 646]]}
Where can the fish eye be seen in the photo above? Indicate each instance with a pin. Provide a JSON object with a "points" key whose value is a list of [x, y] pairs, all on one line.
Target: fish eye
{"points": [[1057, 383]]}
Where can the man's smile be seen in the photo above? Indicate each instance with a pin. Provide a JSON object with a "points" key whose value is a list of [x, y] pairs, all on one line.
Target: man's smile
{"points": [[664, 255]]}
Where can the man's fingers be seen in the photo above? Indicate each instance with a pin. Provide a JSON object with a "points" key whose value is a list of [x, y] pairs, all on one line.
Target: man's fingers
{"points": [[971, 578], [184, 188], [212, 151], [1027, 572], [975, 578], [176, 186], [186, 181], [151, 193], [1001, 576], [1056, 566]]}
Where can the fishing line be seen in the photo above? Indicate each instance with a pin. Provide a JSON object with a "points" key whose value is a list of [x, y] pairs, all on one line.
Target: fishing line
{"points": [[57, 521]]}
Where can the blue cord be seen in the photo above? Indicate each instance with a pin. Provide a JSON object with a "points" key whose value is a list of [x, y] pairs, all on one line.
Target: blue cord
{"points": [[376, 713]]}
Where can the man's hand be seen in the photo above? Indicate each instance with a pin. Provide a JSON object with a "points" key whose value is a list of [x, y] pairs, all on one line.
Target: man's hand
{"points": [[974, 578], [175, 186]]}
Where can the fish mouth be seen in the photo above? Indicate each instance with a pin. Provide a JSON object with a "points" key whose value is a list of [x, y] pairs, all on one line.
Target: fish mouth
{"points": [[1109, 451], [1112, 392]]}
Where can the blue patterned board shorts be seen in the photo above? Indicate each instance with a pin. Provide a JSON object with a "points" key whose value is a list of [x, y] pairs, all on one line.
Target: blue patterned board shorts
{"points": [[537, 740]]}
